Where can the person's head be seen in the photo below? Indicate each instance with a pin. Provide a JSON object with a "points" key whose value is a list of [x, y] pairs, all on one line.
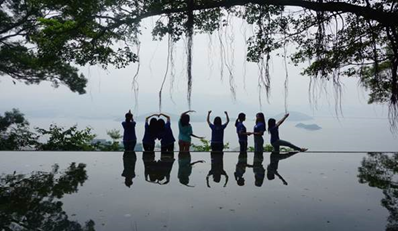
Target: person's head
{"points": [[260, 118], [270, 175], [217, 121], [161, 124], [153, 125], [259, 181], [184, 120], [271, 123], [241, 181], [217, 178], [184, 180], [128, 181], [128, 116], [241, 118]]}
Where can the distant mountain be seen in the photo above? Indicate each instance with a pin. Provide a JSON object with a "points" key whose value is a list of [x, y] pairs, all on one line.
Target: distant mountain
{"points": [[294, 116], [311, 127]]}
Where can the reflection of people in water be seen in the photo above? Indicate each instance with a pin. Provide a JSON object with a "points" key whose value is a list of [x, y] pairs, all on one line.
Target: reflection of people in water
{"points": [[217, 132], [273, 129], [241, 168], [148, 142], [185, 167], [129, 160], [165, 134], [185, 132], [217, 168], [129, 137], [272, 168], [164, 167], [149, 166], [242, 133], [258, 169]]}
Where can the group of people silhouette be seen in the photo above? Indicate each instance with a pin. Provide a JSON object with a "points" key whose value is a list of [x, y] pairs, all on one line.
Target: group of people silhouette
{"points": [[157, 128], [159, 171]]}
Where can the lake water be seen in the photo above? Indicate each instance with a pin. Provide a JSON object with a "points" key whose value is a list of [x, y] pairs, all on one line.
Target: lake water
{"points": [[313, 191], [336, 135]]}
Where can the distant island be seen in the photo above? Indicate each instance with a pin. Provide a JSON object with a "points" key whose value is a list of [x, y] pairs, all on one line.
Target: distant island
{"points": [[311, 127]]}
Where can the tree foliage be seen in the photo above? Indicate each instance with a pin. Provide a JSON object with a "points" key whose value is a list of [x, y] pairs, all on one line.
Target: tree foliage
{"points": [[71, 139], [32, 202], [205, 146], [14, 132], [337, 38], [380, 170]]}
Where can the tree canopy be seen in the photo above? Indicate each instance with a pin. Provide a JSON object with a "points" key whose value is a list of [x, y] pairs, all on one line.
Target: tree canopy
{"points": [[41, 39]]}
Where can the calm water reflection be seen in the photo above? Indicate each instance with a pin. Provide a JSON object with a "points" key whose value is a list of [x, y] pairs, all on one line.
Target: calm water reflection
{"points": [[50, 191]]}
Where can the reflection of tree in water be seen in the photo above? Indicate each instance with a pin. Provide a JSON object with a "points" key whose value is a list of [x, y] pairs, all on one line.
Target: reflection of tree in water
{"points": [[32, 202], [381, 171]]}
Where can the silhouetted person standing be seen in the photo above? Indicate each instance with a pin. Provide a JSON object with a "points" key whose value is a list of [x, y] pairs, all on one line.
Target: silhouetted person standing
{"points": [[241, 131], [258, 169], [241, 168], [185, 167], [129, 136], [165, 134], [185, 132], [148, 157], [217, 168], [129, 160], [258, 133], [148, 142], [164, 167], [217, 132]]}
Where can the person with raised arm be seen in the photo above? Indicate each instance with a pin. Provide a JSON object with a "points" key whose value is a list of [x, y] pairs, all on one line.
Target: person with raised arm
{"points": [[258, 133], [165, 134], [185, 132], [273, 129], [129, 136], [148, 142], [241, 131], [217, 132]]}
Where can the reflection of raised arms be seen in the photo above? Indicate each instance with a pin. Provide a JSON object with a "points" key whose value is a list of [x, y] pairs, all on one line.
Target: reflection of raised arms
{"points": [[282, 120], [199, 161], [226, 178], [208, 117], [167, 117], [226, 114], [147, 118], [207, 179]]}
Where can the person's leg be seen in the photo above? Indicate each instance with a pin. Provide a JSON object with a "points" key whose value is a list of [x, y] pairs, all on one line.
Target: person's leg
{"points": [[288, 144], [133, 143], [184, 146], [258, 144], [170, 147], [276, 146]]}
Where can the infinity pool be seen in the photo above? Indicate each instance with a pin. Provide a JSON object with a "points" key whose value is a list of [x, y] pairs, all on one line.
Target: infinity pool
{"points": [[198, 191]]}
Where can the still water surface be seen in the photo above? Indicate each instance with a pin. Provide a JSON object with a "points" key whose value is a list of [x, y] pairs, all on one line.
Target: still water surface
{"points": [[304, 191]]}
